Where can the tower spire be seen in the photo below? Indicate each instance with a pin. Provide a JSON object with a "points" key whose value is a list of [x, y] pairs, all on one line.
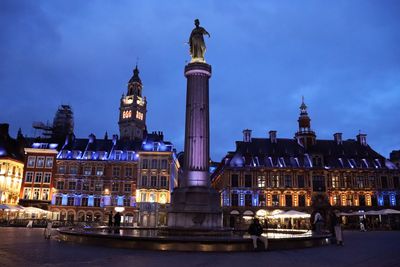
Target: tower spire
{"points": [[305, 135], [132, 119], [303, 107]]}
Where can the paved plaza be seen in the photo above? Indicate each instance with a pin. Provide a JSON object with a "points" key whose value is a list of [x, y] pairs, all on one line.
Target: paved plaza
{"points": [[27, 247]]}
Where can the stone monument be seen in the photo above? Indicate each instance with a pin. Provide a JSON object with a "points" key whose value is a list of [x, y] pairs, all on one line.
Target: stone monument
{"points": [[194, 204]]}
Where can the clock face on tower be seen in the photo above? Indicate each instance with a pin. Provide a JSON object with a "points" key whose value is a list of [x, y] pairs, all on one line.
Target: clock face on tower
{"points": [[140, 101]]}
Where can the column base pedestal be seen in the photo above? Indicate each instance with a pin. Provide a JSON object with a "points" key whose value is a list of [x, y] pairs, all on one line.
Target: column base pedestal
{"points": [[195, 207]]}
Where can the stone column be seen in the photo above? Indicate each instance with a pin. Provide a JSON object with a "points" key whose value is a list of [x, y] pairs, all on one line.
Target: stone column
{"points": [[195, 204], [197, 130]]}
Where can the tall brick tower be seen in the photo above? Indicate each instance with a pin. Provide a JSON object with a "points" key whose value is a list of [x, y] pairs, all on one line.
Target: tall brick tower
{"points": [[132, 110]]}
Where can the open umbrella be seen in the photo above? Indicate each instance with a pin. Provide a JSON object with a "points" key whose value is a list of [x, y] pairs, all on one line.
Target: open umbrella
{"points": [[374, 212], [34, 210], [10, 207], [389, 211], [292, 214]]}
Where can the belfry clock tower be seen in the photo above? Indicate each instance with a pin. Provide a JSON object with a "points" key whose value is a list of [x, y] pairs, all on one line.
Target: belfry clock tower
{"points": [[132, 110]]}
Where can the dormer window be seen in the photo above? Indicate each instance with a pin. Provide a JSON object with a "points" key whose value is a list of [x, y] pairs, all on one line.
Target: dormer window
{"points": [[317, 161], [130, 155], [377, 164], [353, 163]]}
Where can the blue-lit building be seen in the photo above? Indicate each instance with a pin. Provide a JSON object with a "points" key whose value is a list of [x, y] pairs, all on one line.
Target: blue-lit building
{"points": [[97, 176], [304, 174], [133, 173]]}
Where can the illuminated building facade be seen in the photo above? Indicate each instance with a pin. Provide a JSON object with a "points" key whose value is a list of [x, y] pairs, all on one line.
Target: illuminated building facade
{"points": [[39, 169], [304, 174], [93, 177], [11, 167], [157, 177], [132, 110], [97, 176]]}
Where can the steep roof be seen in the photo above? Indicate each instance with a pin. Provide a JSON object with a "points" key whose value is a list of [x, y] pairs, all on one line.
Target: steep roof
{"points": [[9, 147], [261, 152]]}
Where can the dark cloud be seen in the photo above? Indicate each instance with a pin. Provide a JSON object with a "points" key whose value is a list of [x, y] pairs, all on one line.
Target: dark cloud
{"points": [[342, 56]]}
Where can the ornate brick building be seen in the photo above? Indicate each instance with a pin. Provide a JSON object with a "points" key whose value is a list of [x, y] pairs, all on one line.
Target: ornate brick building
{"points": [[304, 173], [39, 164], [11, 166], [97, 176]]}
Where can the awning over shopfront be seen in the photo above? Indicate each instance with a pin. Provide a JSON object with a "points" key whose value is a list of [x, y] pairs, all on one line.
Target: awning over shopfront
{"points": [[371, 212], [10, 207], [248, 213], [276, 212], [234, 212], [261, 213], [34, 210], [291, 214], [390, 211]]}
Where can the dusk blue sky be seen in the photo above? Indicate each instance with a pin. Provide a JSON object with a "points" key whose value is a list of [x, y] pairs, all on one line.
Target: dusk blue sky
{"points": [[343, 56]]}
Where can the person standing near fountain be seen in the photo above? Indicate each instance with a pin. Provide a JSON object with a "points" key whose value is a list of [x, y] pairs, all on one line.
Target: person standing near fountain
{"points": [[318, 222], [337, 226]]}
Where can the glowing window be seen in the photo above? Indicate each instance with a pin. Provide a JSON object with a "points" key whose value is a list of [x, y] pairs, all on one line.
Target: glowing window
{"points": [[45, 194], [40, 162], [261, 181], [335, 181], [47, 177], [31, 161], [29, 177], [139, 115], [126, 114]]}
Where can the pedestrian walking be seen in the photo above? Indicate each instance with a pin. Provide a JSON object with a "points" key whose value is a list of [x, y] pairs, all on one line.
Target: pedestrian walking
{"points": [[362, 225], [48, 229], [318, 222], [255, 230], [110, 219], [117, 222], [337, 226], [117, 219]]}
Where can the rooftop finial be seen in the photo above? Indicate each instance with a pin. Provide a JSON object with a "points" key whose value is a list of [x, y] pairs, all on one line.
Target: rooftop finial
{"points": [[303, 107]]}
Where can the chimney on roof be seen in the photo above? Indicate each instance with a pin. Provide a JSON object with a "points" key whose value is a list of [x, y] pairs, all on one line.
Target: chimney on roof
{"points": [[362, 139], [115, 139], [4, 130], [92, 137], [247, 135], [338, 138], [272, 137]]}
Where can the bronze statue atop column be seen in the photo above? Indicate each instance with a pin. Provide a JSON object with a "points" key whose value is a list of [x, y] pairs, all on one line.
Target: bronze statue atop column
{"points": [[197, 44]]}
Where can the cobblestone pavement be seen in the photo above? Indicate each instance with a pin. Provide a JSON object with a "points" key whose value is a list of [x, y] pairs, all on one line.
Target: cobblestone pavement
{"points": [[27, 247]]}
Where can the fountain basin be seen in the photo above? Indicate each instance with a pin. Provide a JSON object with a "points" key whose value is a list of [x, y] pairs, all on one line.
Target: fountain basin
{"points": [[150, 239]]}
